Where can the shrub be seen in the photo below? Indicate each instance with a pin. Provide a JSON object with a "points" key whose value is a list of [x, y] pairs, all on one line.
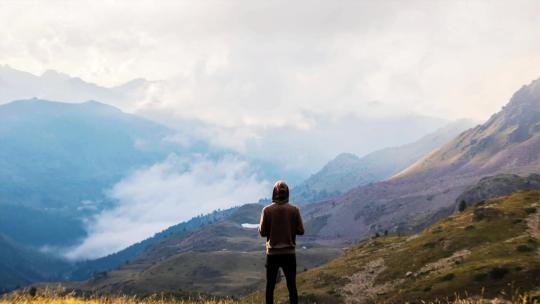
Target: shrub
{"points": [[530, 210], [498, 272], [480, 276], [430, 245], [470, 227], [523, 248], [462, 206], [448, 277]]}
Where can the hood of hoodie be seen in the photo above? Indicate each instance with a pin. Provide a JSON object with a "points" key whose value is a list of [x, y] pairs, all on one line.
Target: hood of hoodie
{"points": [[280, 194]]}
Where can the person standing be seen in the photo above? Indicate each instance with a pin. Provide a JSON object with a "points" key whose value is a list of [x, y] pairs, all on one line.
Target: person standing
{"points": [[280, 223]]}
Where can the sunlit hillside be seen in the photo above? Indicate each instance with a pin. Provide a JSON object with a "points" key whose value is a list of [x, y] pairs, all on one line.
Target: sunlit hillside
{"points": [[489, 250]]}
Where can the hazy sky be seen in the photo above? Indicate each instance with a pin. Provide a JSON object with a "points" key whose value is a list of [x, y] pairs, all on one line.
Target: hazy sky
{"points": [[237, 62]]}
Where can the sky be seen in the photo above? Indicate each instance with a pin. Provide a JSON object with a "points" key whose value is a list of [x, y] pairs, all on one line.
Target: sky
{"points": [[238, 63]]}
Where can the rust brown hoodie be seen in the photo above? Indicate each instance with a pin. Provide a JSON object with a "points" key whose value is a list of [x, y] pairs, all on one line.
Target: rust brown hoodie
{"points": [[280, 222]]}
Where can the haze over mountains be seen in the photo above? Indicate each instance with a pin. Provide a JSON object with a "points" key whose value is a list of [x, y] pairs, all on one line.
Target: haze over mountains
{"points": [[347, 170], [53, 85], [94, 176], [66, 168], [57, 160], [70, 172], [426, 191], [62, 161], [405, 203], [309, 145]]}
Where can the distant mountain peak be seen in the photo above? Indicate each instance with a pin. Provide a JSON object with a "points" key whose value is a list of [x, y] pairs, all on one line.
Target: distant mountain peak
{"points": [[502, 141], [525, 100], [46, 106], [346, 156], [95, 103], [55, 75]]}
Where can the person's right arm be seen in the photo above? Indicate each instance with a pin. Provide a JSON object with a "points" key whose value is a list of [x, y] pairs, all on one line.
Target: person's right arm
{"points": [[299, 223]]}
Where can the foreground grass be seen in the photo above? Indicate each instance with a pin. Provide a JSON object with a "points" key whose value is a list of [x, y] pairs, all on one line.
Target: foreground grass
{"points": [[492, 256], [117, 300], [157, 300]]}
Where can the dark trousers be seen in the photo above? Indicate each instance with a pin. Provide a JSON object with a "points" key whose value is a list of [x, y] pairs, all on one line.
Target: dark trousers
{"points": [[287, 262]]}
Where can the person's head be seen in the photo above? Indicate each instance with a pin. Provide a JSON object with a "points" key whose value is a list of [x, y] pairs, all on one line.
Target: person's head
{"points": [[280, 194]]}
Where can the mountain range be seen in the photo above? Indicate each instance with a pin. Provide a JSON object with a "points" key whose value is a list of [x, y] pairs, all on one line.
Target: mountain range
{"points": [[294, 155], [53, 85], [57, 160], [411, 201], [474, 166], [348, 171], [426, 191]]}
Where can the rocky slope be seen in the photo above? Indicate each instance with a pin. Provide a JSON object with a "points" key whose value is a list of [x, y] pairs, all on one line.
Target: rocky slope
{"points": [[347, 170], [498, 185], [509, 142]]}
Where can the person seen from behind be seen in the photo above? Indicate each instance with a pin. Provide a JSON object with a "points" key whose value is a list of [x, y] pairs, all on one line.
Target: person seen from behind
{"points": [[280, 224]]}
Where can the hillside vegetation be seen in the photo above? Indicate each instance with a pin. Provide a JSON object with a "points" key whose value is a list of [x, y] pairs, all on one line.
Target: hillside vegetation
{"points": [[491, 249], [220, 257]]}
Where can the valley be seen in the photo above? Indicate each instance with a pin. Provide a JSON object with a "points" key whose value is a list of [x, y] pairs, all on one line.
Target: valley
{"points": [[247, 152]]}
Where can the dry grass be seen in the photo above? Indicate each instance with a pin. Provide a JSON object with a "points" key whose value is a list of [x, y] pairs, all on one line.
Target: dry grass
{"points": [[518, 299], [117, 300], [159, 300]]}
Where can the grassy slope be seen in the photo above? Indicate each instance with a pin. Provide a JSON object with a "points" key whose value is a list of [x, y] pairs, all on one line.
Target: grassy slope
{"points": [[221, 273], [457, 255], [221, 258]]}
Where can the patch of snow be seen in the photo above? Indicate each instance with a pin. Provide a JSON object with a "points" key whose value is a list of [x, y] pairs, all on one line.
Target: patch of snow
{"points": [[250, 226]]}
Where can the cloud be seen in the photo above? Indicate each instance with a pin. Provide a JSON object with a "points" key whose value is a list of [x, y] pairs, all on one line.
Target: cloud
{"points": [[175, 190], [245, 63]]}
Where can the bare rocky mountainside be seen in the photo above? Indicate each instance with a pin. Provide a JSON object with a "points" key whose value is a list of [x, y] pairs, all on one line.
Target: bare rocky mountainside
{"points": [[509, 142], [348, 171], [493, 186]]}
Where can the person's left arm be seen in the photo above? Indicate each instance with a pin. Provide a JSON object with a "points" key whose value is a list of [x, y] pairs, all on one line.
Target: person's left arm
{"points": [[263, 229]]}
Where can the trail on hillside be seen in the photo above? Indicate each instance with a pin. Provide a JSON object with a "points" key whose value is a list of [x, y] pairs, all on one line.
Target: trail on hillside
{"points": [[533, 223], [362, 287], [440, 266]]}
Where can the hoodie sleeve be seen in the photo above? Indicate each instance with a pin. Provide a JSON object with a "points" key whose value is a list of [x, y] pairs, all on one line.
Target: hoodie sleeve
{"points": [[263, 230], [299, 223]]}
